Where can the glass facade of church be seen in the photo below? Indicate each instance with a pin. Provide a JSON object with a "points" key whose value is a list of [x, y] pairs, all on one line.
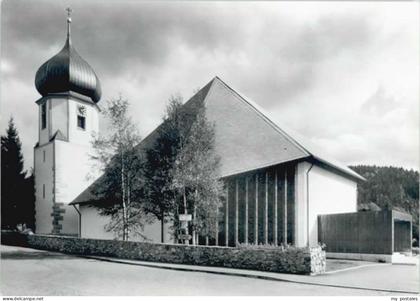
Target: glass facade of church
{"points": [[259, 208]]}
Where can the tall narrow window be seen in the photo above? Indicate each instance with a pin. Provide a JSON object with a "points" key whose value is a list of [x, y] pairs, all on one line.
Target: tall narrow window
{"points": [[43, 191], [44, 115], [44, 155], [81, 117]]}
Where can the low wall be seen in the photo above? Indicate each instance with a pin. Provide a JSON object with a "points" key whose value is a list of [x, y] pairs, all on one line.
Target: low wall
{"points": [[290, 260]]}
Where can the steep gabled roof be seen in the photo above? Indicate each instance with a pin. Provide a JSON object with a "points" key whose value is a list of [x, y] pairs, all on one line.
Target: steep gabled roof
{"points": [[246, 137], [307, 147]]}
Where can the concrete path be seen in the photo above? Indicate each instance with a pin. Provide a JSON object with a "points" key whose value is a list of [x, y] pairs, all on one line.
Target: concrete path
{"points": [[34, 272]]}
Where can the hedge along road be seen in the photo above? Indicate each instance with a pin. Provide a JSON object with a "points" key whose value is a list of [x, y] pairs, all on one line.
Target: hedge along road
{"points": [[33, 272]]}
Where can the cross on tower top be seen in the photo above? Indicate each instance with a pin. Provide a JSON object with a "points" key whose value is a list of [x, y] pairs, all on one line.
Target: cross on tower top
{"points": [[69, 11]]}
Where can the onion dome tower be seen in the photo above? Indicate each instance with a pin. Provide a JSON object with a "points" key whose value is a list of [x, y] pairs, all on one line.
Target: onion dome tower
{"points": [[68, 118], [68, 71]]}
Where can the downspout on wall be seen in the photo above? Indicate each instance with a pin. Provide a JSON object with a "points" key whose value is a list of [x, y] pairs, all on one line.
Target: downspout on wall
{"points": [[307, 204], [80, 221]]}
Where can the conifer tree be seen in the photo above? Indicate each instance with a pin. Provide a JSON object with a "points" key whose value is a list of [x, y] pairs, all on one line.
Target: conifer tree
{"points": [[13, 201]]}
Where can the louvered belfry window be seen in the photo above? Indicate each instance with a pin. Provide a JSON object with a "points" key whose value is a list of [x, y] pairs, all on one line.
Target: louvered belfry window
{"points": [[44, 115]]}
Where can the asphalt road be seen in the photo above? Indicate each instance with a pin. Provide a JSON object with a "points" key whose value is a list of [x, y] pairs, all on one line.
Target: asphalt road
{"points": [[33, 272]]}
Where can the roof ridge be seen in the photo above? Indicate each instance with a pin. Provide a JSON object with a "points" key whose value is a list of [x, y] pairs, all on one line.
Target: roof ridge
{"points": [[206, 88]]}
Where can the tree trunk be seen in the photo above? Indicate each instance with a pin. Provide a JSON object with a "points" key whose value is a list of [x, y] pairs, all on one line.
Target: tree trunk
{"points": [[194, 242], [185, 202], [128, 214], [185, 212], [124, 222], [162, 227], [194, 233], [124, 219]]}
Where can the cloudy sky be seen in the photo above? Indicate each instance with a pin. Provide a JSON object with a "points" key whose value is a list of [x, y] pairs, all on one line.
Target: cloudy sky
{"points": [[345, 75]]}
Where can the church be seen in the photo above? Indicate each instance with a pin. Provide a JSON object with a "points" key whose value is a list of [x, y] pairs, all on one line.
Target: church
{"points": [[277, 182]]}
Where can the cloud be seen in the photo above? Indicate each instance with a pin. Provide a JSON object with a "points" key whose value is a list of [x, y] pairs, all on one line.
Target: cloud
{"points": [[337, 74], [379, 103]]}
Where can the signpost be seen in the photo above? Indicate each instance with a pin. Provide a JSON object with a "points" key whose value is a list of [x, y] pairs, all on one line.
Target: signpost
{"points": [[184, 219], [185, 236]]}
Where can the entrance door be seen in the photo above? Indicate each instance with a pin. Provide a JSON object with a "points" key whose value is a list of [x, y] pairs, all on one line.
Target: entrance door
{"points": [[402, 236]]}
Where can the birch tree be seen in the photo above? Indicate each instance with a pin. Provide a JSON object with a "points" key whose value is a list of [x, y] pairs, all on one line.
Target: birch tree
{"points": [[196, 174], [162, 197], [119, 190]]}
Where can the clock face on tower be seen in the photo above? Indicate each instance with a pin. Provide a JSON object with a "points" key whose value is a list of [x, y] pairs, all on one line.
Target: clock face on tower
{"points": [[81, 110]]}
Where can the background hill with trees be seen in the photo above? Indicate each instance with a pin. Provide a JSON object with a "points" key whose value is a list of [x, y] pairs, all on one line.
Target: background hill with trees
{"points": [[390, 188]]}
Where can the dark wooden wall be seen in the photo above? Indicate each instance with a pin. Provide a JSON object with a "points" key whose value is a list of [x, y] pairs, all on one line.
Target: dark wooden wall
{"points": [[367, 232]]}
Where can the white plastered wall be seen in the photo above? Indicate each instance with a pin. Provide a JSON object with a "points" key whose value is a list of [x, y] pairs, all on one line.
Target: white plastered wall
{"points": [[74, 168], [93, 226], [77, 135], [73, 175], [58, 116], [329, 192], [43, 176], [57, 113]]}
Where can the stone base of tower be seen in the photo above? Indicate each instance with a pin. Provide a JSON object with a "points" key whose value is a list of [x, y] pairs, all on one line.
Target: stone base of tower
{"points": [[58, 217], [65, 220]]}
